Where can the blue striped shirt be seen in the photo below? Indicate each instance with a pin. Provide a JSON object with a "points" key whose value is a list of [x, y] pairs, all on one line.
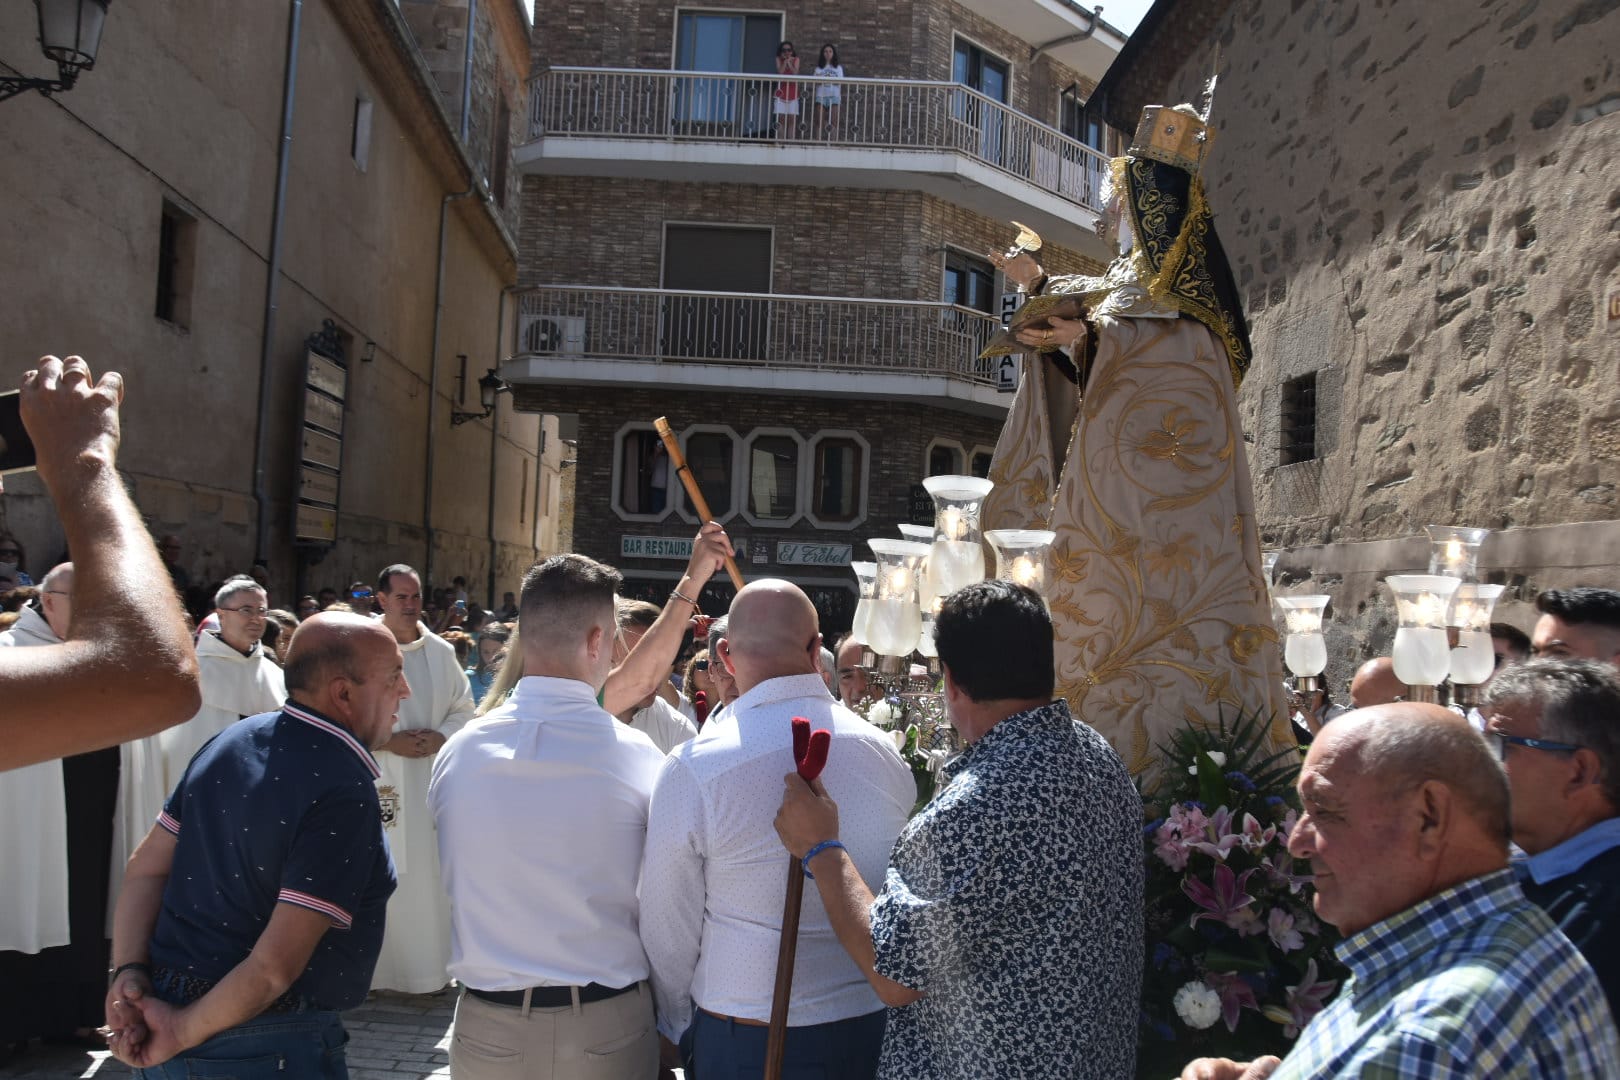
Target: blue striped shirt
{"points": [[1473, 982]]}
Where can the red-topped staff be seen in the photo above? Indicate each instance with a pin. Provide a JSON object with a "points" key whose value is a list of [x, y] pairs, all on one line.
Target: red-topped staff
{"points": [[810, 757]]}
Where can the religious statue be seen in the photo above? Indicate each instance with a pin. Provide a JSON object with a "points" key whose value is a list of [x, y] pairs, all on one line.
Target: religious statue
{"points": [[1124, 439]]}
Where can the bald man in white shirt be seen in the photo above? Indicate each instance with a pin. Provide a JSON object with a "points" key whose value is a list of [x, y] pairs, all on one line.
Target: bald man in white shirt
{"points": [[711, 889]]}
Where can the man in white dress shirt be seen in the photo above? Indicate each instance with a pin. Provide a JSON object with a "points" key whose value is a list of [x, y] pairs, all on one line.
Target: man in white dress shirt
{"points": [[416, 941], [712, 881], [653, 715], [541, 808]]}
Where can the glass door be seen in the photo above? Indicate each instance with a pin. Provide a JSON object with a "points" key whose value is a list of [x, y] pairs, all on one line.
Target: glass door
{"points": [[732, 42], [990, 76]]}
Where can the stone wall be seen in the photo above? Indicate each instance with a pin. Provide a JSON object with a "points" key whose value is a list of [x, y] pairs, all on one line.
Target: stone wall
{"points": [[1421, 207]]}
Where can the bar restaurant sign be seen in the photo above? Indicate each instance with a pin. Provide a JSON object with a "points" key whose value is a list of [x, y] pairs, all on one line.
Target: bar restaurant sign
{"points": [[665, 547], [320, 442]]}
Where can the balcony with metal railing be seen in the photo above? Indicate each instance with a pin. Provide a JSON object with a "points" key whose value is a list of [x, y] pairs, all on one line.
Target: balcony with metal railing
{"points": [[941, 137], [821, 346]]}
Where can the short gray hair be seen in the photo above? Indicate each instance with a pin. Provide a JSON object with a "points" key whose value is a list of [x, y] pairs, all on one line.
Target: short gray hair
{"points": [[1404, 752], [718, 628], [1578, 702], [233, 585]]}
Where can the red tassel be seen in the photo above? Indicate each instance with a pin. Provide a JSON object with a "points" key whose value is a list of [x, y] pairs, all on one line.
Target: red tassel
{"points": [[815, 759], [801, 739]]}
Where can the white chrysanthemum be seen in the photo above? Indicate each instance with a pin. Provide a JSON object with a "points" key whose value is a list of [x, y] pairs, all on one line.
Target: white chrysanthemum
{"points": [[1198, 1006], [881, 714]]}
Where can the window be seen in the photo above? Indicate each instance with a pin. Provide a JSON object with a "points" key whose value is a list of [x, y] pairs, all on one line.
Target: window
{"points": [[726, 41], [1298, 425], [989, 75], [360, 135], [177, 251], [500, 149], [840, 473], [986, 72], [944, 459], [643, 474], [981, 463], [716, 259], [773, 478], [709, 457], [1086, 126], [969, 281]]}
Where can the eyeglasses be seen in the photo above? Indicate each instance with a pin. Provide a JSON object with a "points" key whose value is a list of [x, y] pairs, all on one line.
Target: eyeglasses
{"points": [[1500, 743], [261, 612], [58, 592]]}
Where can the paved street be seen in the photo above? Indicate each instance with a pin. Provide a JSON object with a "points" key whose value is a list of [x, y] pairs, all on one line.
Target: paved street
{"points": [[392, 1037]]}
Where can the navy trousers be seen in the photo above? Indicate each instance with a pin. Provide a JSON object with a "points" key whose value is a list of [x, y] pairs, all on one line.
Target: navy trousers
{"points": [[841, 1050]]}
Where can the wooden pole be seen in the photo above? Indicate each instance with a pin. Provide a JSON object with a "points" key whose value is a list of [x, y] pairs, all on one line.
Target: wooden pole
{"points": [[809, 757], [699, 504]]}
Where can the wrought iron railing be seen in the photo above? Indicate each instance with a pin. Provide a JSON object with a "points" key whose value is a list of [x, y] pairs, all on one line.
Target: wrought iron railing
{"points": [[823, 333], [892, 114]]}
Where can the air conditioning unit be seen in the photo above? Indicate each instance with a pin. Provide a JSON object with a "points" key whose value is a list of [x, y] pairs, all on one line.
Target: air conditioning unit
{"points": [[553, 335]]}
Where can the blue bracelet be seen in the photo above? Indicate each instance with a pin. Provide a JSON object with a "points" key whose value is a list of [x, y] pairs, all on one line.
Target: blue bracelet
{"points": [[804, 863]]}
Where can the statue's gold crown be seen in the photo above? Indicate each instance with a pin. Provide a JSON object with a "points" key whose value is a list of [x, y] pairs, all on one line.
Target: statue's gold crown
{"points": [[1176, 136]]}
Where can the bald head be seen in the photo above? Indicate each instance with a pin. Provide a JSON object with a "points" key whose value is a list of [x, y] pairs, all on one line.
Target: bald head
{"points": [[56, 598], [772, 632], [327, 645], [1375, 683]]}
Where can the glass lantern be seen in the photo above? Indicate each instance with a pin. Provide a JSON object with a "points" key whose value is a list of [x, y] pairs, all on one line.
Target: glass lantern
{"points": [[1304, 647], [1023, 556], [1268, 563], [922, 534], [866, 581], [1422, 652], [1454, 551], [894, 621], [956, 559], [1472, 659]]}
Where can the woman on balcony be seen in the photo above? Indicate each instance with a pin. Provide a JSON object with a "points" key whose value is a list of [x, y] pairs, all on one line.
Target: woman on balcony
{"points": [[828, 97], [787, 93]]}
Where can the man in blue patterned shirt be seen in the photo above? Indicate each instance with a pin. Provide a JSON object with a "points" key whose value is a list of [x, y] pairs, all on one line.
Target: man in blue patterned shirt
{"points": [[1454, 973], [1007, 937]]}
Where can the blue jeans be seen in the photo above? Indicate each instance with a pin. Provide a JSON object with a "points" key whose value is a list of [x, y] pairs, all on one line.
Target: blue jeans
{"points": [[276, 1046], [841, 1050]]}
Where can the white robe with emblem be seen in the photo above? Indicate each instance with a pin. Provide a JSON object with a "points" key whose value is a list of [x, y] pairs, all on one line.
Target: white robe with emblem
{"points": [[416, 938], [33, 844], [234, 686]]}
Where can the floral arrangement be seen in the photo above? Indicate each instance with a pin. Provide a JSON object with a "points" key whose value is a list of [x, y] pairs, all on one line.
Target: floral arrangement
{"points": [[1237, 963], [890, 715]]}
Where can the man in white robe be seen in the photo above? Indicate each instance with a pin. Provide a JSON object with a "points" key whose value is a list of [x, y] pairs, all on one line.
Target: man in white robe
{"points": [[416, 941], [238, 677], [33, 903]]}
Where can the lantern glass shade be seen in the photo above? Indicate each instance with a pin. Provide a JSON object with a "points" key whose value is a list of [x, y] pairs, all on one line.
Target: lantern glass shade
{"points": [[1268, 563], [1422, 651], [1454, 551], [488, 387], [70, 30], [894, 620], [1023, 556], [866, 585], [956, 559], [1473, 659], [922, 534], [1304, 647]]}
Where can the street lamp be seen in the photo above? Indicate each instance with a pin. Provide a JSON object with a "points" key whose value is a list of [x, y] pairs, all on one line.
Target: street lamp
{"points": [[488, 386], [69, 34]]}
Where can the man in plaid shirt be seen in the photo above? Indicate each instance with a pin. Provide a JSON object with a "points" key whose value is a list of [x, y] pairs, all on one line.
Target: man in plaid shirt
{"points": [[1454, 973]]}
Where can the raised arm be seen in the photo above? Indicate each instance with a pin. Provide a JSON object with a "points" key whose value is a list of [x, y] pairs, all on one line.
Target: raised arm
{"points": [[128, 668], [647, 666]]}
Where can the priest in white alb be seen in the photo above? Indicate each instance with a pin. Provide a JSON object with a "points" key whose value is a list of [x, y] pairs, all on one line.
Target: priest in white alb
{"points": [[238, 677], [416, 940]]}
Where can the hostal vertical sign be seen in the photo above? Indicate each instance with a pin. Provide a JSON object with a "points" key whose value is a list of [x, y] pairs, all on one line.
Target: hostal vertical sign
{"points": [[320, 445]]}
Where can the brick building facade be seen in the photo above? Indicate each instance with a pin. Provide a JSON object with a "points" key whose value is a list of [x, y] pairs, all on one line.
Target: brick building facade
{"points": [[805, 305]]}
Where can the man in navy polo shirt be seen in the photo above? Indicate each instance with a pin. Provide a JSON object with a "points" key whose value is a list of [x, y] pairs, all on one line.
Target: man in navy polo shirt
{"points": [[253, 910]]}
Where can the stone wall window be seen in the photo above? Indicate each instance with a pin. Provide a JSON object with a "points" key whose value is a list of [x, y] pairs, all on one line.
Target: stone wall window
{"points": [[644, 474], [773, 478], [709, 454], [176, 269], [944, 459], [981, 463], [969, 281], [1298, 421], [840, 475]]}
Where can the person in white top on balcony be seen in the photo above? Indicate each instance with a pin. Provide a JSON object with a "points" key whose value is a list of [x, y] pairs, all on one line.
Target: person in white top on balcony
{"points": [[711, 888], [828, 96], [653, 716], [541, 808]]}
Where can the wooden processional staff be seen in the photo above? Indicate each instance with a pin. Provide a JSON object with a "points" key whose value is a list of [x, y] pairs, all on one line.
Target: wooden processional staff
{"points": [[699, 503]]}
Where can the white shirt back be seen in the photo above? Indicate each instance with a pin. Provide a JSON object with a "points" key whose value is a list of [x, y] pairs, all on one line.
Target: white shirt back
{"points": [[713, 880], [541, 807], [664, 724]]}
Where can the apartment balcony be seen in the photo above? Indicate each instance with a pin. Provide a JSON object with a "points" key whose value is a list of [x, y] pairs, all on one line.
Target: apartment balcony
{"points": [[818, 346], [939, 137]]}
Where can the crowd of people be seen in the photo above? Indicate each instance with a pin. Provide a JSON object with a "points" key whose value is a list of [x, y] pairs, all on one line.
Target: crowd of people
{"points": [[576, 809]]}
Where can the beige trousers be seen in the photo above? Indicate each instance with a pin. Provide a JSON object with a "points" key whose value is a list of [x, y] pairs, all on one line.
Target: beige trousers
{"points": [[602, 1040]]}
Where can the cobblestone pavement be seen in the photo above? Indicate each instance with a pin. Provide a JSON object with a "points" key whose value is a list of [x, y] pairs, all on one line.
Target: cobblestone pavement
{"points": [[391, 1037]]}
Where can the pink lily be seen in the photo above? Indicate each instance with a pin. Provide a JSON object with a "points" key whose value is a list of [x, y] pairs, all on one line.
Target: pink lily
{"points": [[1236, 995], [1280, 926], [1254, 838], [1222, 902], [1306, 999], [1280, 871], [1220, 837]]}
